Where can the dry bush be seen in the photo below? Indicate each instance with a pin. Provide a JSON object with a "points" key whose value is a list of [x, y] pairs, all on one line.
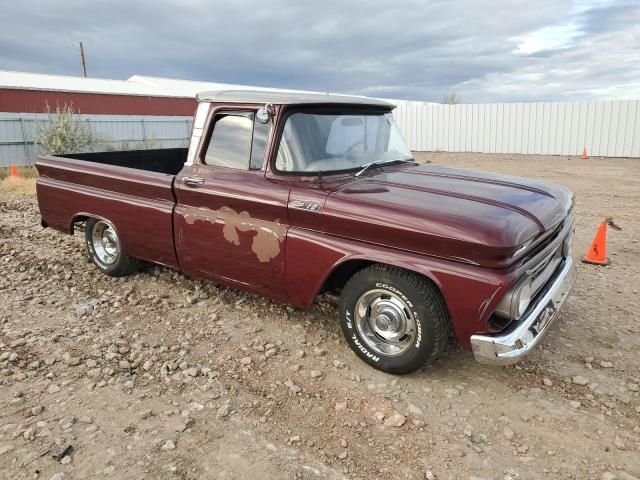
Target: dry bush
{"points": [[64, 132], [451, 98]]}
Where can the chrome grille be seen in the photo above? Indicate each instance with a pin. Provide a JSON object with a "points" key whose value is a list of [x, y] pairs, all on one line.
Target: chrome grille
{"points": [[543, 272]]}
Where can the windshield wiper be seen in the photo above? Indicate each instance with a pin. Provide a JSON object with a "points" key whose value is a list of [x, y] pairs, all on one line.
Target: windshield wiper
{"points": [[366, 166]]}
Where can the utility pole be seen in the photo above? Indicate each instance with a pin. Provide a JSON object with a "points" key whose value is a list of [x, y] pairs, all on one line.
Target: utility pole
{"points": [[84, 63]]}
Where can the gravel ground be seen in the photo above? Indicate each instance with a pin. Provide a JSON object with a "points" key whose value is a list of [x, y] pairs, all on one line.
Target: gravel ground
{"points": [[157, 375]]}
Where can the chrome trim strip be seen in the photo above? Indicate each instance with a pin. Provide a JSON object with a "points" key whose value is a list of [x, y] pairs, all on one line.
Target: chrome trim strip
{"points": [[559, 231], [512, 346], [540, 278], [199, 121]]}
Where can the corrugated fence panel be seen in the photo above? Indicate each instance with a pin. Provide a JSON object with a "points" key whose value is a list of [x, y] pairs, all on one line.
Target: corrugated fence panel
{"points": [[19, 132], [605, 128]]}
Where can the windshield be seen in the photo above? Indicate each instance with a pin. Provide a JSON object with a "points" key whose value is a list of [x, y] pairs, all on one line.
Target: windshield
{"points": [[317, 142]]}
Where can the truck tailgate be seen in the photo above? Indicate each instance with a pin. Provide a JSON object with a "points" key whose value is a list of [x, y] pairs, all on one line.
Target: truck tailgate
{"points": [[138, 203]]}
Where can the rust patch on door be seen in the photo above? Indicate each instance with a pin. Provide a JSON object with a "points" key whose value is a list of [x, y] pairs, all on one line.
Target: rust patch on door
{"points": [[266, 242]]}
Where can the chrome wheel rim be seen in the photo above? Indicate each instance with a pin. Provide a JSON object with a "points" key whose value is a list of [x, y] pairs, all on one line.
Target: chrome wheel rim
{"points": [[106, 244], [385, 322]]}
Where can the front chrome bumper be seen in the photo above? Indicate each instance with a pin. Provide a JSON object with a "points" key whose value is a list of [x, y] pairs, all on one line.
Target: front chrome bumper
{"points": [[510, 347]]}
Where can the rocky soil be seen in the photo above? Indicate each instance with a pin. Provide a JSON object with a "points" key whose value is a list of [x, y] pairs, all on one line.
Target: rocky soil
{"points": [[161, 376]]}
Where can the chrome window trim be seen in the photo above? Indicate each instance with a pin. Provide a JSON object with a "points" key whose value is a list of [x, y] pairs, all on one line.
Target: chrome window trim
{"points": [[199, 121]]}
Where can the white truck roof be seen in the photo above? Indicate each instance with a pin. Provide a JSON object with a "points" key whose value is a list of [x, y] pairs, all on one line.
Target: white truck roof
{"points": [[280, 98]]}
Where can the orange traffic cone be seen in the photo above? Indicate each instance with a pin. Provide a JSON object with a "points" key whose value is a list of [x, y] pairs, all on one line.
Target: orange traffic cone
{"points": [[584, 153], [597, 252], [14, 172]]}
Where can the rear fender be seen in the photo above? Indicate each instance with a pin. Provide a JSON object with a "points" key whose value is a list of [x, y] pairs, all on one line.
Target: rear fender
{"points": [[144, 225]]}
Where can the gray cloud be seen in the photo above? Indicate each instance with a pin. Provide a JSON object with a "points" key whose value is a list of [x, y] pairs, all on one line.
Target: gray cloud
{"points": [[402, 49]]}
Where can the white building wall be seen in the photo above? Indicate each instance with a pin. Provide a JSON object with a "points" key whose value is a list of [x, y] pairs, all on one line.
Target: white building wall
{"points": [[605, 128]]}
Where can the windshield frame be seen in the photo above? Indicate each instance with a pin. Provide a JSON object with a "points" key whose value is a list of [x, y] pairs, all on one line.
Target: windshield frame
{"points": [[323, 109]]}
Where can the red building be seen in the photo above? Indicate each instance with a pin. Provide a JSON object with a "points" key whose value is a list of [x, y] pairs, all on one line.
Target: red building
{"points": [[30, 93]]}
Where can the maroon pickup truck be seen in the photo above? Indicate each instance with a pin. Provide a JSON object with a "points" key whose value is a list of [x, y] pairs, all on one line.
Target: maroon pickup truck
{"points": [[291, 195]]}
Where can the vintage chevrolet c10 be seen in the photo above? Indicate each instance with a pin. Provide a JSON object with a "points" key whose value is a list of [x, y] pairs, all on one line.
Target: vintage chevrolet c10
{"points": [[290, 195]]}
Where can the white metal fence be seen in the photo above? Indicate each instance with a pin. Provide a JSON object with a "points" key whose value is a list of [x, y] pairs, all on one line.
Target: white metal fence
{"points": [[605, 128], [18, 133]]}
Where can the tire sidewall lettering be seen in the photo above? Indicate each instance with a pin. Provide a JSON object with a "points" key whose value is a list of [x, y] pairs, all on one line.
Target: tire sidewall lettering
{"points": [[393, 289], [363, 349], [419, 328], [356, 340]]}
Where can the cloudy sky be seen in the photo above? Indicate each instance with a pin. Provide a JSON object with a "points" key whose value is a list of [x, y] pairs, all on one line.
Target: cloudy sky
{"points": [[484, 50]]}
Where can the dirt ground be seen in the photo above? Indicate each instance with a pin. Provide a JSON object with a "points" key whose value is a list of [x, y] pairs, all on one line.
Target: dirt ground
{"points": [[160, 376]]}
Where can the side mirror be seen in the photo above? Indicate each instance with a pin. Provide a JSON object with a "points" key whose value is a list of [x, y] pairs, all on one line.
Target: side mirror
{"points": [[263, 115]]}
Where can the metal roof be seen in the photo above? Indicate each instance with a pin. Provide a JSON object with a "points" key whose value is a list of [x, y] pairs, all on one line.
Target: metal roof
{"points": [[261, 96], [190, 88], [168, 87], [65, 83]]}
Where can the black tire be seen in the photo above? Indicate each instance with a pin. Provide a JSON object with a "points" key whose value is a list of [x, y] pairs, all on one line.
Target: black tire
{"points": [[401, 291], [116, 265]]}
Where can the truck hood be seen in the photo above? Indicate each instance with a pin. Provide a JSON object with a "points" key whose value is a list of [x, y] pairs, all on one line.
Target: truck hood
{"points": [[467, 216]]}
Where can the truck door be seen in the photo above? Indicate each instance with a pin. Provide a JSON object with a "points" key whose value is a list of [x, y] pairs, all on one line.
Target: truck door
{"points": [[230, 220]]}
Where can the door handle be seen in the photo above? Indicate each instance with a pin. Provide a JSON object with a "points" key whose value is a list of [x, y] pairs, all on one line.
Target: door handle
{"points": [[192, 181]]}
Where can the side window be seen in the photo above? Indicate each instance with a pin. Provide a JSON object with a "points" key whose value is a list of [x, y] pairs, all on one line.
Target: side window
{"points": [[230, 143]]}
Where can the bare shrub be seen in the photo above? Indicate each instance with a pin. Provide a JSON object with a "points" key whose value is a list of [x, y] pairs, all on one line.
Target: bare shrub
{"points": [[451, 98], [64, 132]]}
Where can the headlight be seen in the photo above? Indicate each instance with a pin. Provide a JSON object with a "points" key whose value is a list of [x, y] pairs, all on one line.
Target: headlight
{"points": [[567, 245], [523, 298], [516, 301]]}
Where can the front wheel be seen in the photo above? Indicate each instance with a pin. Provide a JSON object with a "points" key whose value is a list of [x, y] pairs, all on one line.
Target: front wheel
{"points": [[393, 319], [105, 249]]}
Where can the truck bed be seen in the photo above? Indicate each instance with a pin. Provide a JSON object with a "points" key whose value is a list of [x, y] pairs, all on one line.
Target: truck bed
{"points": [[166, 160], [133, 189]]}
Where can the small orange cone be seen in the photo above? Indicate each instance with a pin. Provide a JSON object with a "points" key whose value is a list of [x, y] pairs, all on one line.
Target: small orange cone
{"points": [[14, 172], [584, 153], [597, 252]]}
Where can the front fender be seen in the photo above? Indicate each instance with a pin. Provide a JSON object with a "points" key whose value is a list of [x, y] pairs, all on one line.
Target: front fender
{"points": [[470, 292]]}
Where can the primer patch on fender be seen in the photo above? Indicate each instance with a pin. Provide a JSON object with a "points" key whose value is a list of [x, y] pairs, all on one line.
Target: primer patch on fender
{"points": [[266, 242]]}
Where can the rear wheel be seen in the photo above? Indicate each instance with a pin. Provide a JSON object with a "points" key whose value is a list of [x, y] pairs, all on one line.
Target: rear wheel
{"points": [[393, 319], [105, 249]]}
